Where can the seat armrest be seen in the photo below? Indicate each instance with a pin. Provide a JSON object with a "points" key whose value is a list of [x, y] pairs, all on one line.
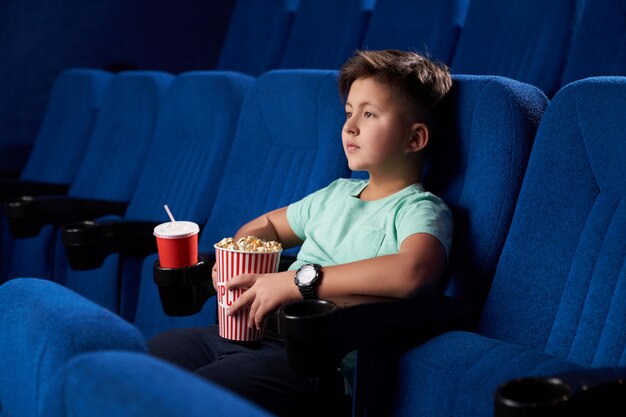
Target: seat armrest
{"points": [[28, 214], [88, 243], [319, 333], [15, 187], [585, 392]]}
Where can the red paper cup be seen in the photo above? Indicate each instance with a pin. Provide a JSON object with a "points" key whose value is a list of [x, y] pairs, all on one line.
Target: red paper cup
{"points": [[177, 245], [231, 263]]}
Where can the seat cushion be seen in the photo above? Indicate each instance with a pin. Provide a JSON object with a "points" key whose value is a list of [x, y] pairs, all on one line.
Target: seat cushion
{"points": [[457, 374]]}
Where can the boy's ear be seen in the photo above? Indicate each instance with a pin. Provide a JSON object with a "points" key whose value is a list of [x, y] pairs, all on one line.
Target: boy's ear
{"points": [[419, 138]]}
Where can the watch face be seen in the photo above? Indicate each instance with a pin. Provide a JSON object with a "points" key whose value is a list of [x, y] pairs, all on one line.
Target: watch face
{"points": [[306, 275]]}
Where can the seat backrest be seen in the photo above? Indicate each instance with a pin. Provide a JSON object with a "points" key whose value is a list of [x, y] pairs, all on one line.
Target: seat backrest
{"points": [[137, 385], [67, 126], [287, 145], [427, 27], [324, 33], [599, 44], [192, 140], [114, 158], [479, 147], [560, 285], [523, 40], [256, 36]]}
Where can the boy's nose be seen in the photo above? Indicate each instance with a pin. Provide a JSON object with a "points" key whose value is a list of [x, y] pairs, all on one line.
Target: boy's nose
{"points": [[350, 128]]}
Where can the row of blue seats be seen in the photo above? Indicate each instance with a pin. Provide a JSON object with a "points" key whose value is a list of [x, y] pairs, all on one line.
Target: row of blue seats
{"points": [[547, 44], [286, 145]]}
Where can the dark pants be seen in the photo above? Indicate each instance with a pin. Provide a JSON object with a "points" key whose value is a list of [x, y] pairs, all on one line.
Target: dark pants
{"points": [[259, 372]]}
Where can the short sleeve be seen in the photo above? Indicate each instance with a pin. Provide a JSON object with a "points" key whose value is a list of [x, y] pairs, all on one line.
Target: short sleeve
{"points": [[429, 214], [299, 213]]}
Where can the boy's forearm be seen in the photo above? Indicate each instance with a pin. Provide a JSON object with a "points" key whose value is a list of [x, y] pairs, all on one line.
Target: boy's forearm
{"points": [[385, 276]]}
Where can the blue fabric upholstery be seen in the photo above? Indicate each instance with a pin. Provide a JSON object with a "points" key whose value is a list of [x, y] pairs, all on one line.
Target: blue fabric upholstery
{"points": [[67, 126], [130, 384], [599, 44], [63, 137], [182, 168], [256, 37], [559, 294], [481, 142], [427, 27], [324, 34], [112, 162], [287, 145], [526, 41], [43, 326]]}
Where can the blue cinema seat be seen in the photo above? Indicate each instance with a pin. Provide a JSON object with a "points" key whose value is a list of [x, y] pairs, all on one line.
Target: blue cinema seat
{"points": [[182, 168], [427, 27], [482, 137], [599, 44], [44, 325], [108, 173], [558, 298], [132, 384], [524, 40], [60, 144], [288, 144], [325, 33], [256, 37]]}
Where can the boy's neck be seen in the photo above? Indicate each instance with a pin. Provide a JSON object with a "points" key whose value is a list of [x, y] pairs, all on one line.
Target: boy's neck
{"points": [[381, 186]]}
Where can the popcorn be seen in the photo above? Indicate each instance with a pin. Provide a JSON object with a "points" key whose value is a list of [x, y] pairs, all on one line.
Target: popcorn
{"points": [[249, 244]]}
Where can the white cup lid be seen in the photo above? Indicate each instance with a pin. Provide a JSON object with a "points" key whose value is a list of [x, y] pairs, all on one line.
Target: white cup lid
{"points": [[182, 229]]}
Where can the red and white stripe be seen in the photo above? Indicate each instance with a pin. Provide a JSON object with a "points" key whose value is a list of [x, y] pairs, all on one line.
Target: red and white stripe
{"points": [[229, 265]]}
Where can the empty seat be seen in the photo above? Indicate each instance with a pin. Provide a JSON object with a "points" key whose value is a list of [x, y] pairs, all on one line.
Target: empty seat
{"points": [[558, 297], [58, 150], [324, 34], [526, 41], [132, 384], [430, 28], [288, 144], [111, 165], [182, 168], [34, 347], [256, 36], [599, 44]]}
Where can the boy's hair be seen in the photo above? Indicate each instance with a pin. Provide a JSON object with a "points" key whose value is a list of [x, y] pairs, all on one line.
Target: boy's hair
{"points": [[413, 79]]}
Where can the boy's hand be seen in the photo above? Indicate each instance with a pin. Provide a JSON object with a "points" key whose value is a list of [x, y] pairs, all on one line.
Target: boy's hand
{"points": [[264, 293]]}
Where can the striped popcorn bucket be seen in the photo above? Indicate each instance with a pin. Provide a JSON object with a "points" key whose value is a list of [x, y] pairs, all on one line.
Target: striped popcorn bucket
{"points": [[231, 263]]}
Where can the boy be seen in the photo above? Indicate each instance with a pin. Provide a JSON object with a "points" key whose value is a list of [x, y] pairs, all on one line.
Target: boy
{"points": [[385, 236]]}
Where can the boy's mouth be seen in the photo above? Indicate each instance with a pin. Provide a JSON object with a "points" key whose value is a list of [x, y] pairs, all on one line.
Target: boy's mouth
{"points": [[351, 147]]}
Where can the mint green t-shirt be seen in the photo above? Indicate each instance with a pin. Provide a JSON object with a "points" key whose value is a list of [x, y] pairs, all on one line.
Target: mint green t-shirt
{"points": [[337, 227]]}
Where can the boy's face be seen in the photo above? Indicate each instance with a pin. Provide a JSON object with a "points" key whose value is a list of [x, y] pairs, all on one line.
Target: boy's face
{"points": [[377, 131]]}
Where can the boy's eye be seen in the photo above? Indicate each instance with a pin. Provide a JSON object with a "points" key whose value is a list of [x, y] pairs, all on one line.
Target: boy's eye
{"points": [[367, 115], [348, 114]]}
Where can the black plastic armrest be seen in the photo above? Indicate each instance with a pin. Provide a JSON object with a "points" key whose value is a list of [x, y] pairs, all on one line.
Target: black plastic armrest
{"points": [[12, 188], [88, 243], [28, 214], [319, 333], [586, 392]]}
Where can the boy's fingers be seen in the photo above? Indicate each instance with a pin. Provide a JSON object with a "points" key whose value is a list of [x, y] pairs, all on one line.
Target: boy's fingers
{"points": [[240, 281], [244, 299]]}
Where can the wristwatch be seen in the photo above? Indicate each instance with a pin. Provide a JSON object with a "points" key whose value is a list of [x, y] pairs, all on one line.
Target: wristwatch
{"points": [[307, 277]]}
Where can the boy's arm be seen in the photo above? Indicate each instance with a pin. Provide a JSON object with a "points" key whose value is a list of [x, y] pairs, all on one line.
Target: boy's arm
{"points": [[415, 269], [271, 226]]}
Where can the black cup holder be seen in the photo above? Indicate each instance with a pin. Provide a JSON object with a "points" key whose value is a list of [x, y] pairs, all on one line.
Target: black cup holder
{"points": [[22, 217], [533, 397], [85, 245], [183, 291], [307, 327]]}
